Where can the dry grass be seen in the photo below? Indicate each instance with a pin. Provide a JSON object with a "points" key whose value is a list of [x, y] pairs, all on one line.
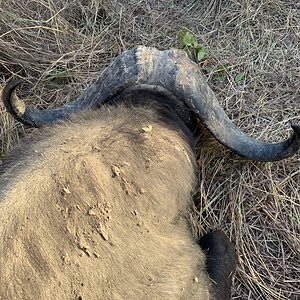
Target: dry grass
{"points": [[61, 46]]}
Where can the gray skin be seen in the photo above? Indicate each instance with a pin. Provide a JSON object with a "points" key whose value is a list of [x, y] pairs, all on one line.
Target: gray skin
{"points": [[142, 144]]}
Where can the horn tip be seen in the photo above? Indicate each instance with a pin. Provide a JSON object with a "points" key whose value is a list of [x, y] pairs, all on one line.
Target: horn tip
{"points": [[15, 106], [13, 84]]}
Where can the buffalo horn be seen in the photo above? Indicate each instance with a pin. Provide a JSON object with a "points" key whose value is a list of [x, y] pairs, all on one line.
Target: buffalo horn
{"points": [[169, 70]]}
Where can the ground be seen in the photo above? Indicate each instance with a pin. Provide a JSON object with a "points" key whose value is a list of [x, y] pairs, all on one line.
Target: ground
{"points": [[252, 64]]}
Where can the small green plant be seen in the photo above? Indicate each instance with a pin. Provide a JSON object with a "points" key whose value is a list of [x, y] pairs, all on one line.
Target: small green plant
{"points": [[238, 77], [188, 42]]}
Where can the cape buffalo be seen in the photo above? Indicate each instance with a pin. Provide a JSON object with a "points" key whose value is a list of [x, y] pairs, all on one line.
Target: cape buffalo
{"points": [[96, 205]]}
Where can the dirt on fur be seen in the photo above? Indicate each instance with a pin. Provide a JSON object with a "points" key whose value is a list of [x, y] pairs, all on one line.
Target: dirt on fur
{"points": [[96, 212]]}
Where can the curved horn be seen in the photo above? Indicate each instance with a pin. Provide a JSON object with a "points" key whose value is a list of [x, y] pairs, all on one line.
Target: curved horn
{"points": [[27, 115], [121, 74], [173, 71]]}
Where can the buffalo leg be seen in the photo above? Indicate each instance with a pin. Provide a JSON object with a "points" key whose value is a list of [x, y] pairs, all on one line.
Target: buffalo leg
{"points": [[221, 261]]}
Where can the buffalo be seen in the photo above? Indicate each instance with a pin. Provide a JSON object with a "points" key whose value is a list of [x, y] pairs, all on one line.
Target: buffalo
{"points": [[96, 205]]}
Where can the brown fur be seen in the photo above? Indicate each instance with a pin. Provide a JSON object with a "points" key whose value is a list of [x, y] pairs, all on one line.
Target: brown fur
{"points": [[96, 209]]}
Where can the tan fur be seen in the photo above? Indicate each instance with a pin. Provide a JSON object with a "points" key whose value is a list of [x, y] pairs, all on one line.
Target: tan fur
{"points": [[95, 209]]}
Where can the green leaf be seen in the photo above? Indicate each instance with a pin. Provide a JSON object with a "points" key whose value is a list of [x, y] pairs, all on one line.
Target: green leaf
{"points": [[238, 77], [201, 54], [186, 39]]}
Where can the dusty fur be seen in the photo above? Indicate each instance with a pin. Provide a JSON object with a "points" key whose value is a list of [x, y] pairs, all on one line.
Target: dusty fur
{"points": [[96, 209]]}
